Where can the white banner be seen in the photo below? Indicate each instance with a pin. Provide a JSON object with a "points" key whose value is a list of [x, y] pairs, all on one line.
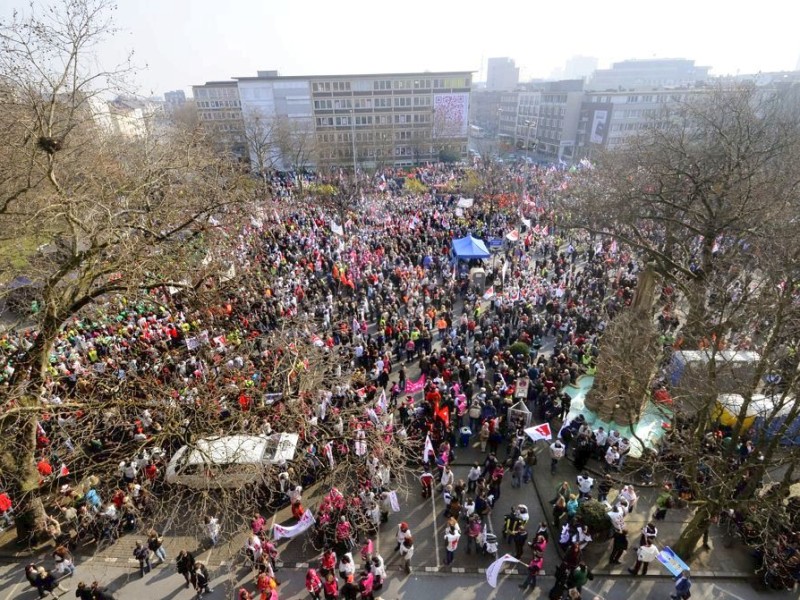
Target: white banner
{"points": [[465, 202], [394, 501], [305, 522], [494, 569], [598, 131]]}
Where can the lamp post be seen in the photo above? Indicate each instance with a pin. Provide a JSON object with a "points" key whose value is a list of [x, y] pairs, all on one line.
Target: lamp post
{"points": [[353, 138]]}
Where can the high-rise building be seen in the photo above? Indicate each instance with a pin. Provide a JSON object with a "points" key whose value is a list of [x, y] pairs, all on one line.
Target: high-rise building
{"points": [[174, 100], [501, 74], [648, 74], [580, 67]]}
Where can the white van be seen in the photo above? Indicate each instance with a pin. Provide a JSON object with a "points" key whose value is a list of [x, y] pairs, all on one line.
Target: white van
{"points": [[229, 461]]}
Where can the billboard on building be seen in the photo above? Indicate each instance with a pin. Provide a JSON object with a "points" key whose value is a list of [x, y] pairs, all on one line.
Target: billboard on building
{"points": [[598, 133], [450, 115]]}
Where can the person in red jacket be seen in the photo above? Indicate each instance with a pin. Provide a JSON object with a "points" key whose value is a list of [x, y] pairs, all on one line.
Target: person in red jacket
{"points": [[330, 587], [313, 584]]}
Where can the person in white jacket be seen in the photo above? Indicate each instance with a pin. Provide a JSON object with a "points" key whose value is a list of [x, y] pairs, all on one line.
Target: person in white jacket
{"points": [[644, 557], [347, 565], [406, 553]]}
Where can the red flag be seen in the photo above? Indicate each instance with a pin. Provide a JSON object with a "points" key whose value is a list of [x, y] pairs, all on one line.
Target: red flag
{"points": [[540, 432], [444, 414]]}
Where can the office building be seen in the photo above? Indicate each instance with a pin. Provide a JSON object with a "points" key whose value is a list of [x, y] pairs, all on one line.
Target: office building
{"points": [[501, 74], [344, 120], [219, 111], [580, 67], [648, 74], [610, 119]]}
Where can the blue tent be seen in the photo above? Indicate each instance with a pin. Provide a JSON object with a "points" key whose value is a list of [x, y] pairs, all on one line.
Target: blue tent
{"points": [[470, 247]]}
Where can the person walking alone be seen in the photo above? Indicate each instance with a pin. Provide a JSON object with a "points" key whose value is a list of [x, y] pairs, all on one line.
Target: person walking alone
{"points": [[682, 587], [557, 450], [142, 554], [451, 538]]}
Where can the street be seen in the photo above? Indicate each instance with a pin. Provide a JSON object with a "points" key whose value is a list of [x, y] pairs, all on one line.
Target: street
{"points": [[165, 584]]}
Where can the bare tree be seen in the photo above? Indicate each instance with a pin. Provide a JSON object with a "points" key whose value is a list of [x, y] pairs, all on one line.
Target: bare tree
{"points": [[260, 135], [706, 199], [111, 213]]}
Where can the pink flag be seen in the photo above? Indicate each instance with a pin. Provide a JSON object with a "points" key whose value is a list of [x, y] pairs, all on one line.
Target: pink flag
{"points": [[412, 387]]}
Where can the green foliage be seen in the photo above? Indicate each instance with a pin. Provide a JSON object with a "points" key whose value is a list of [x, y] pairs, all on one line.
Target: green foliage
{"points": [[520, 349], [593, 514], [448, 155], [325, 190], [415, 186]]}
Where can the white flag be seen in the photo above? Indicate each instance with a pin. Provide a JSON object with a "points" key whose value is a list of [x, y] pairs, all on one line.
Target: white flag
{"points": [[428, 450], [493, 570], [394, 501], [489, 293], [329, 453], [382, 401], [337, 229], [526, 222], [361, 443]]}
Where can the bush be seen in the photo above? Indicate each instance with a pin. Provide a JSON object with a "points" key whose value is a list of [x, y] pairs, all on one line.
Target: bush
{"points": [[593, 514], [519, 349], [448, 155]]}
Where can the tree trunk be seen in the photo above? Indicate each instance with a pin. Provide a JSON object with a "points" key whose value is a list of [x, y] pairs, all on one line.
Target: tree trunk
{"points": [[694, 329], [692, 533]]}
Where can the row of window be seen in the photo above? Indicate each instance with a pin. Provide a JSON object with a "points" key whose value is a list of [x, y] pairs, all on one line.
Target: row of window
{"points": [[372, 136], [643, 113], [391, 84], [203, 93], [370, 103], [219, 115], [219, 104], [347, 121], [648, 98]]}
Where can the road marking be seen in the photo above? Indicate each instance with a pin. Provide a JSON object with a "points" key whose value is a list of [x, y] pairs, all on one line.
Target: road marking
{"points": [[727, 593], [591, 591], [13, 591], [435, 527]]}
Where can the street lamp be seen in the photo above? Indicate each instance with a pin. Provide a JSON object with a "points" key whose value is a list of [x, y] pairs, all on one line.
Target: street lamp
{"points": [[353, 138], [528, 123]]}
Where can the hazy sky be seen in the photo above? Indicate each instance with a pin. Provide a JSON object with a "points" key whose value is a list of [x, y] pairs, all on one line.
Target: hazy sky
{"points": [[185, 42]]}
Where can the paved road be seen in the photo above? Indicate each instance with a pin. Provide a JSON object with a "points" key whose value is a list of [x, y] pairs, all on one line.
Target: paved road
{"points": [[165, 584]]}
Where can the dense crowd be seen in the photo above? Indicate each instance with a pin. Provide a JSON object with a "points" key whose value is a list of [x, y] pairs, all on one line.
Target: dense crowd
{"points": [[386, 298]]}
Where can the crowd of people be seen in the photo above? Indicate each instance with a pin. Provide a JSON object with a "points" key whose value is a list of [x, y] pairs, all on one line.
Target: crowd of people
{"points": [[384, 296]]}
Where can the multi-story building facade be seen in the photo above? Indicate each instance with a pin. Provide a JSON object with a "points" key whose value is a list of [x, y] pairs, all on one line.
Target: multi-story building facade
{"points": [[174, 100], [543, 118], [356, 120], [484, 111], [610, 119], [219, 110], [648, 74], [501, 74]]}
